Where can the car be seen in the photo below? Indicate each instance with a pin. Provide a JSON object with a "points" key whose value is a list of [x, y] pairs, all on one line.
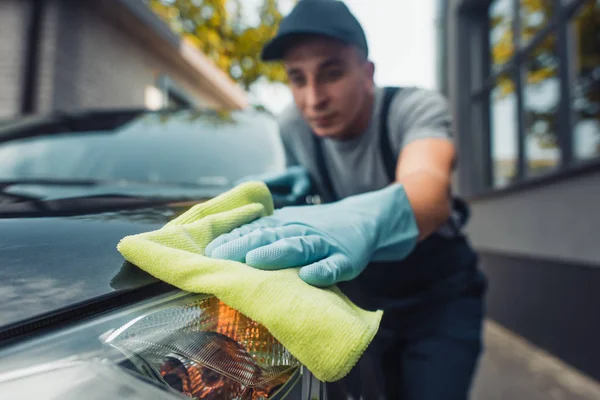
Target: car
{"points": [[77, 320]]}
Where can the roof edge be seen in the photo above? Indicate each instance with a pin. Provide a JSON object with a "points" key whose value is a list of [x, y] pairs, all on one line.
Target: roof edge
{"points": [[231, 93]]}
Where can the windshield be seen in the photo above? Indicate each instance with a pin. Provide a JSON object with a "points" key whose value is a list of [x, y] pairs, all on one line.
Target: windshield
{"points": [[184, 148]]}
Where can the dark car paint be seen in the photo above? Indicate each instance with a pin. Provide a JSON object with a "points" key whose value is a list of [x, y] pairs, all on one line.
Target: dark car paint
{"points": [[51, 259], [52, 262]]}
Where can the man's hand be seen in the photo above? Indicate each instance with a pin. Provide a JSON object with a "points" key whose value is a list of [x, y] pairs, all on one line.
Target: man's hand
{"points": [[331, 242], [291, 186]]}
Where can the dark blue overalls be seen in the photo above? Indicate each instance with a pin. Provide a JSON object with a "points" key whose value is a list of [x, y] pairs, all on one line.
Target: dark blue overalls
{"points": [[429, 339]]}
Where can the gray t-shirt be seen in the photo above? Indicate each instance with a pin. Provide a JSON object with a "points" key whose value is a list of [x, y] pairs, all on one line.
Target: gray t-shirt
{"points": [[356, 165]]}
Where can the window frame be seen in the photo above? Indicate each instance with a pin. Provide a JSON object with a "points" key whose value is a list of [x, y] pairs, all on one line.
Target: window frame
{"points": [[479, 92], [172, 91]]}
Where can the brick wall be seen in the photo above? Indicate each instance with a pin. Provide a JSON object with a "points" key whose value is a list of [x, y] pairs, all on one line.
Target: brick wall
{"points": [[98, 64], [49, 50], [13, 18]]}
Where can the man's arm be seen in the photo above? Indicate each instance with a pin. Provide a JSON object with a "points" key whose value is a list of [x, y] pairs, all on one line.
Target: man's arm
{"points": [[335, 242], [421, 126], [424, 169]]}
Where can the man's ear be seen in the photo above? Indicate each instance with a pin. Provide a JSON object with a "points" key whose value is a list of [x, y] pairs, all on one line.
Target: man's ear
{"points": [[371, 70], [370, 73]]}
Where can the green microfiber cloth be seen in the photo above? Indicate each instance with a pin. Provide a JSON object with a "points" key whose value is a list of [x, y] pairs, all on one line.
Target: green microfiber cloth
{"points": [[322, 328]]}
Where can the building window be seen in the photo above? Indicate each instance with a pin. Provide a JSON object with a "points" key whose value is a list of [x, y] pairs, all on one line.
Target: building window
{"points": [[542, 84], [174, 100], [173, 95], [534, 16], [504, 131], [501, 15], [584, 34], [541, 96]]}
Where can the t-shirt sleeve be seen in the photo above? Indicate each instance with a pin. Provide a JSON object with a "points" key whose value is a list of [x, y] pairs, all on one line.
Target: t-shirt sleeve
{"points": [[419, 114]]}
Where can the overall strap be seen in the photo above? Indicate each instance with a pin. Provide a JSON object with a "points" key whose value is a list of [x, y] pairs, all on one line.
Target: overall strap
{"points": [[385, 146], [322, 167], [387, 153]]}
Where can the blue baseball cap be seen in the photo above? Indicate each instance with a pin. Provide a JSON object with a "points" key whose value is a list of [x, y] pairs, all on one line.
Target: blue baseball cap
{"points": [[329, 18]]}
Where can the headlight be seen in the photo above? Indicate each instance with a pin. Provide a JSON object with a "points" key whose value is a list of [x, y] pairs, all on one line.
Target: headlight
{"points": [[191, 344]]}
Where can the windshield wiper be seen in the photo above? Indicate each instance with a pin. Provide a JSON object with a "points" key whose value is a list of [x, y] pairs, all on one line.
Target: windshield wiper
{"points": [[116, 196], [77, 205], [8, 198], [49, 181]]}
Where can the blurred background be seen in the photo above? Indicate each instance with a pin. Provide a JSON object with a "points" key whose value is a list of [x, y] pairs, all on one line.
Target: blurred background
{"points": [[523, 81]]}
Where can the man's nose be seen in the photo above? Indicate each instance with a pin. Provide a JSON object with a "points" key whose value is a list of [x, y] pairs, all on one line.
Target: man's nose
{"points": [[316, 96]]}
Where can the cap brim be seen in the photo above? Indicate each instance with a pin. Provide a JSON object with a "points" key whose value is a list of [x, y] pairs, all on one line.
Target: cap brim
{"points": [[275, 49]]}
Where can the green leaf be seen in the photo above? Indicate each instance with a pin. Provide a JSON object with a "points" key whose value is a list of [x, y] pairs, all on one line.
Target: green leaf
{"points": [[218, 29]]}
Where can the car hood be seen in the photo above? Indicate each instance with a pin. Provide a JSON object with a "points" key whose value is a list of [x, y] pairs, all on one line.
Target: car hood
{"points": [[51, 262]]}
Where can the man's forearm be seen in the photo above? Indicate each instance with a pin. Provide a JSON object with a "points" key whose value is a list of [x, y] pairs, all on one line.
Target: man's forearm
{"points": [[428, 193]]}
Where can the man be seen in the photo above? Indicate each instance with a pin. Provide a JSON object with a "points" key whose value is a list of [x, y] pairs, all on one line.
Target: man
{"points": [[389, 234]]}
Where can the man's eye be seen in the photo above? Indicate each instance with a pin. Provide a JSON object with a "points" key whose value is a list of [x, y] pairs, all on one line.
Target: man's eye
{"points": [[297, 80], [333, 74]]}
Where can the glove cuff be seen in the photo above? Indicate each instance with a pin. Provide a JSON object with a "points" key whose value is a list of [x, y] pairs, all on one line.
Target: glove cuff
{"points": [[397, 227]]}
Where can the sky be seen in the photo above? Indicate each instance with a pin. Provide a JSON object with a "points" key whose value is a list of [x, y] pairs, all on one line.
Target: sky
{"points": [[402, 40]]}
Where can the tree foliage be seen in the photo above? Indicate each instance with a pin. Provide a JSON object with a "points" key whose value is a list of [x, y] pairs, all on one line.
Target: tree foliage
{"points": [[541, 63], [220, 29]]}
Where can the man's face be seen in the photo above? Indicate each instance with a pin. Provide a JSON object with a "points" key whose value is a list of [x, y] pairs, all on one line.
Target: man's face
{"points": [[332, 86]]}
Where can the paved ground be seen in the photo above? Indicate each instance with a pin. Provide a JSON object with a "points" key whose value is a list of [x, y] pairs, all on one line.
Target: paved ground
{"points": [[513, 369]]}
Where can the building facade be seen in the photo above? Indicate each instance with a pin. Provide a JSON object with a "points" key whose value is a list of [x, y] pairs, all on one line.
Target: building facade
{"points": [[523, 78], [65, 55]]}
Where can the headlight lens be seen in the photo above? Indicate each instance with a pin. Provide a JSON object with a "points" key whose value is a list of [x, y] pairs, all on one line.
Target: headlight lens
{"points": [[194, 344]]}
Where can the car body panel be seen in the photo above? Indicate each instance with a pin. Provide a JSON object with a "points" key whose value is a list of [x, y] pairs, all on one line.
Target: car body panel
{"points": [[52, 262]]}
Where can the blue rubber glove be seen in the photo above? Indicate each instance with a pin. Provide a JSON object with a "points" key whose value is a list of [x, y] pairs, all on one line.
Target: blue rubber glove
{"points": [[330, 242], [294, 182]]}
